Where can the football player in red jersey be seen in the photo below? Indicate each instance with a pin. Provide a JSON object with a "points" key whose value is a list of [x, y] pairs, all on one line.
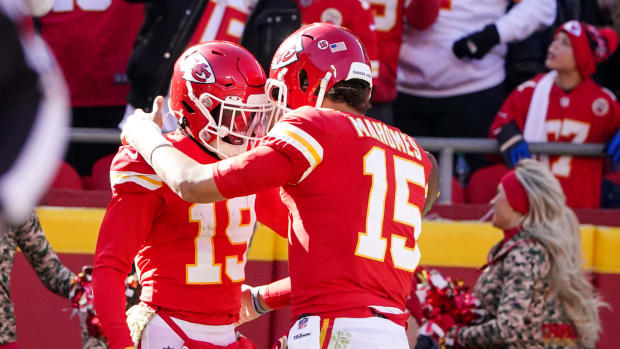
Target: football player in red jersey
{"points": [[355, 188], [190, 257], [565, 105]]}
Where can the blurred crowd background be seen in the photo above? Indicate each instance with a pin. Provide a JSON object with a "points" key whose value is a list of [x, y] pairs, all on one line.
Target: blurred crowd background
{"points": [[442, 68]]}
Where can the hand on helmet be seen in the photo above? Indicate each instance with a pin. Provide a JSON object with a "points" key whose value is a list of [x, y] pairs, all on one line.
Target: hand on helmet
{"points": [[140, 120], [143, 130]]}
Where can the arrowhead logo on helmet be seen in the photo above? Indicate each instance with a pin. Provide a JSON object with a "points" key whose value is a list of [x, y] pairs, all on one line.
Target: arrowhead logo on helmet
{"points": [[289, 56], [196, 68]]}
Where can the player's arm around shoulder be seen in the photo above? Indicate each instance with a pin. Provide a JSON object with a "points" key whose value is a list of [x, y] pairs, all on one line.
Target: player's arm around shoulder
{"points": [[189, 179], [192, 181]]}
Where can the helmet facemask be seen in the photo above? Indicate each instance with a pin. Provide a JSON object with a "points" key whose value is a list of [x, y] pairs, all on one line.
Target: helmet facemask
{"points": [[276, 91], [233, 126]]}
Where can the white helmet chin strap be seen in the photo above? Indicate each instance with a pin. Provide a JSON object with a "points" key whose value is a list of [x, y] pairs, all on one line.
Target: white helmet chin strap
{"points": [[322, 89]]}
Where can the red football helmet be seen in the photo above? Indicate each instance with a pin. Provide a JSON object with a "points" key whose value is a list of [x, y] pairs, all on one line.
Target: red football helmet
{"points": [[217, 93], [312, 60]]}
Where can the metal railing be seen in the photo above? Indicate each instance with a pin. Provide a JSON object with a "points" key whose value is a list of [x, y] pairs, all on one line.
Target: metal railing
{"points": [[446, 147], [95, 135]]}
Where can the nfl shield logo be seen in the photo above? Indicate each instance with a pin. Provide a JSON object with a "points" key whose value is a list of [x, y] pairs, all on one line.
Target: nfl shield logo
{"points": [[302, 323]]}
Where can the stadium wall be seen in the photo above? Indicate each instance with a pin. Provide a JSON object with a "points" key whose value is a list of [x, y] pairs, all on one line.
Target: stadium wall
{"points": [[456, 249]]}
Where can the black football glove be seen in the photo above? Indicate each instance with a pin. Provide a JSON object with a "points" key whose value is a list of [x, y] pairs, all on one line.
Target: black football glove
{"points": [[476, 45], [512, 146]]}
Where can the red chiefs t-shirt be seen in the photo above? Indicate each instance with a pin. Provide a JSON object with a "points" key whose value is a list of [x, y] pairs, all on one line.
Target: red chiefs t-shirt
{"points": [[389, 20], [92, 41], [587, 114], [354, 195], [354, 15], [222, 20]]}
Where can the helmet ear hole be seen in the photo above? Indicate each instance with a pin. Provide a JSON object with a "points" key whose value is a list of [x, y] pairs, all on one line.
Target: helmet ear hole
{"points": [[187, 107], [274, 93], [303, 80]]}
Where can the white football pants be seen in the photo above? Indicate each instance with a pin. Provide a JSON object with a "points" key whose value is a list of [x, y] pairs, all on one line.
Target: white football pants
{"points": [[312, 332], [158, 334]]}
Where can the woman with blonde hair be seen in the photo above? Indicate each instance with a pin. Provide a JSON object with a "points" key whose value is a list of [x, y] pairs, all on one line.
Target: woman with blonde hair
{"points": [[533, 289]]}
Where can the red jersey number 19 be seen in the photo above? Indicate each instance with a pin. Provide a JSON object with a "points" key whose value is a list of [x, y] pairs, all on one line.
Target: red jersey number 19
{"points": [[238, 231], [371, 243]]}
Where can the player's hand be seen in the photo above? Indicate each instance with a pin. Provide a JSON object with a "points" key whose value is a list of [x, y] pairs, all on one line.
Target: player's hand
{"points": [[476, 45], [248, 310], [140, 120], [613, 148], [512, 146]]}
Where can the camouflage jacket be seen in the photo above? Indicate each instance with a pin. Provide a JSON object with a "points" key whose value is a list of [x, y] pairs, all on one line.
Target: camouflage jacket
{"points": [[56, 277], [514, 293]]}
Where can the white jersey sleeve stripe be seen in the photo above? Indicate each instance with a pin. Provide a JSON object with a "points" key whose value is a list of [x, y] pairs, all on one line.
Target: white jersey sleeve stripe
{"points": [[302, 141], [148, 181]]}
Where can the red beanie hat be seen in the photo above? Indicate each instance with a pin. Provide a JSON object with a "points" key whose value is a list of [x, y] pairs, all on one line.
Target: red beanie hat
{"points": [[515, 193], [590, 45]]}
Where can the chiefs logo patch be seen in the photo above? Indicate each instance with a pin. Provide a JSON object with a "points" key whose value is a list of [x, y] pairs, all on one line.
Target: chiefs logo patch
{"points": [[332, 15], [196, 68], [600, 106], [572, 27]]}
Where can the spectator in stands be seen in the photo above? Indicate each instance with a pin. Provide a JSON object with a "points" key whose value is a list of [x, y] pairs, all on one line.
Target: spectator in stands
{"points": [[270, 22], [450, 76], [381, 22], [533, 290], [565, 105], [164, 34], [389, 19], [34, 107], [92, 41], [31, 241], [354, 15], [526, 59]]}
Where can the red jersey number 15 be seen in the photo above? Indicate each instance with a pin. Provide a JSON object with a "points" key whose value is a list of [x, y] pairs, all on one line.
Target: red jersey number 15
{"points": [[371, 244]]}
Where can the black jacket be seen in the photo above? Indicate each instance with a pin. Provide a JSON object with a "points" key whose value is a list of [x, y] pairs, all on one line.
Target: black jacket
{"points": [[269, 24], [167, 28]]}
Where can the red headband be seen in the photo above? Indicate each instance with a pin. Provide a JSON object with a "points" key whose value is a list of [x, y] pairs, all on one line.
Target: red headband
{"points": [[515, 193]]}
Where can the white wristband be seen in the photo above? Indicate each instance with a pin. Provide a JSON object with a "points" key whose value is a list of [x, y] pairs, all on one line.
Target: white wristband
{"points": [[145, 136]]}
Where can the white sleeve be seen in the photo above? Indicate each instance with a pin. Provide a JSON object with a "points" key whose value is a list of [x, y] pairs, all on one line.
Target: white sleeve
{"points": [[525, 18]]}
